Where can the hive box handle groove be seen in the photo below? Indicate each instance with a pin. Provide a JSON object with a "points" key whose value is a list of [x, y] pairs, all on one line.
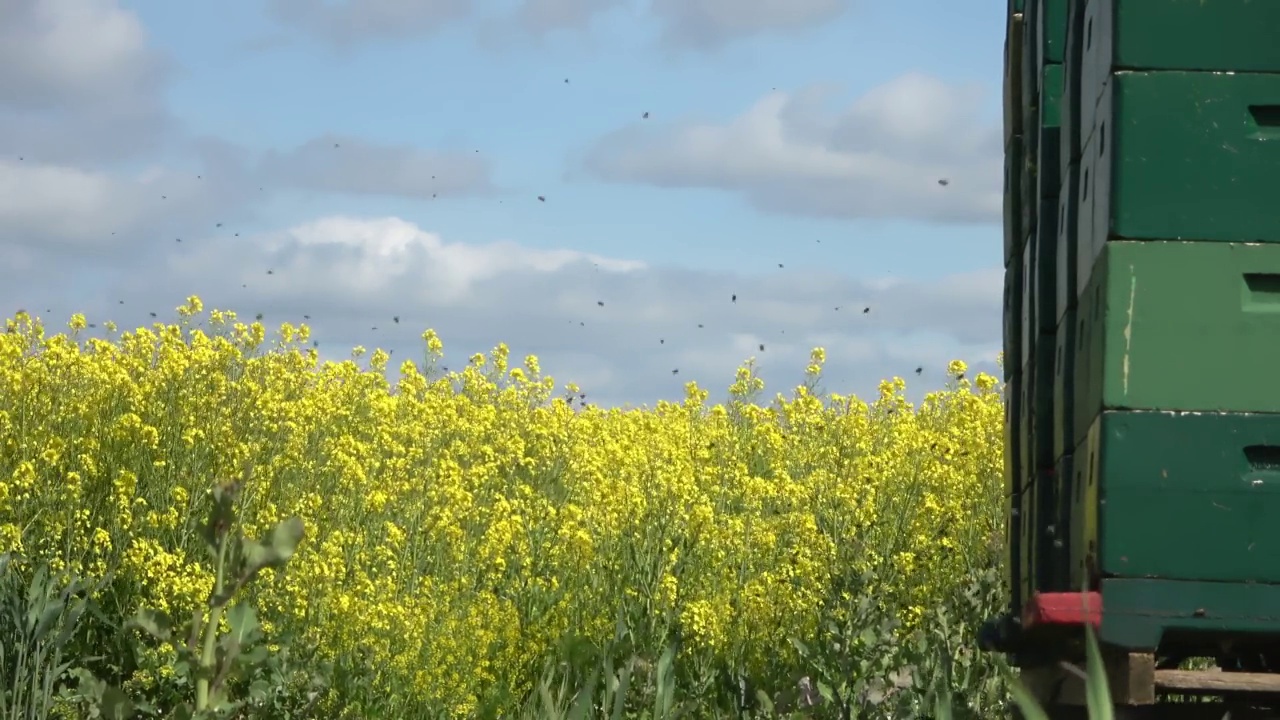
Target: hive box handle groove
{"points": [[1267, 119], [1263, 458], [1262, 292], [1266, 116]]}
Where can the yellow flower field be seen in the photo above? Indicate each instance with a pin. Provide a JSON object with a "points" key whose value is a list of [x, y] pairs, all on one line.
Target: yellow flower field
{"points": [[464, 528]]}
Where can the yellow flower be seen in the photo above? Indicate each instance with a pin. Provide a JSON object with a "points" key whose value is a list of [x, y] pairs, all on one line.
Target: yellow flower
{"points": [[461, 529]]}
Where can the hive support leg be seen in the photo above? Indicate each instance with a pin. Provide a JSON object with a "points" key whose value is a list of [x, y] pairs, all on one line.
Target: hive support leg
{"points": [[1130, 678]]}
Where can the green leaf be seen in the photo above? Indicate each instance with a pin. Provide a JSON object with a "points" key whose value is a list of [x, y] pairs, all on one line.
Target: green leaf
{"points": [[624, 687], [582, 703], [800, 647], [1031, 709], [221, 516], [116, 705], [825, 691], [47, 619], [243, 621], [153, 622], [942, 707], [71, 624], [275, 548], [256, 656], [1097, 692], [36, 593], [666, 685], [259, 690]]}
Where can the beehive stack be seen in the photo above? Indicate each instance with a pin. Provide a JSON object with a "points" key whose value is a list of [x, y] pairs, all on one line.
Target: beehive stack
{"points": [[1142, 250]]}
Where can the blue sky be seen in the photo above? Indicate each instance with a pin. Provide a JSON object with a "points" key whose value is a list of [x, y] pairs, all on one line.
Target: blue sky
{"points": [[751, 157]]}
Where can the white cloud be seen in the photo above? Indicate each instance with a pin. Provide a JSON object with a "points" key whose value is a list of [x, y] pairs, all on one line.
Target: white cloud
{"points": [[68, 53], [346, 22], [78, 80], [881, 157], [712, 23], [74, 208], [355, 276], [78, 207], [363, 257], [540, 16], [80, 90], [335, 163], [699, 24]]}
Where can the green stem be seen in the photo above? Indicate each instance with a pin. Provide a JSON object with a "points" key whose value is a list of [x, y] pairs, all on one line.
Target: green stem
{"points": [[211, 631]]}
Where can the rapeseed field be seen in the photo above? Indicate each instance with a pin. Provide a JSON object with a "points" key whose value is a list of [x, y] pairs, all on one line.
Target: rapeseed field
{"points": [[479, 544]]}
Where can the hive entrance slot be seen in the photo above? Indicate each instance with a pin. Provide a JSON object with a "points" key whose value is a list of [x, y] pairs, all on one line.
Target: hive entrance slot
{"points": [[1263, 458], [1266, 116]]}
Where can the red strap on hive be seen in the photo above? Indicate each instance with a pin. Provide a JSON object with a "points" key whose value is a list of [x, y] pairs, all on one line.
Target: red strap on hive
{"points": [[1063, 609]]}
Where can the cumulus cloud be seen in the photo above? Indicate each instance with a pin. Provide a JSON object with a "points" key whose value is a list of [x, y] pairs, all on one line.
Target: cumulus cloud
{"points": [[78, 81], [355, 277], [91, 218], [347, 22], [698, 24], [56, 207], [882, 156], [349, 165], [81, 97], [78, 208], [541, 16], [712, 23]]}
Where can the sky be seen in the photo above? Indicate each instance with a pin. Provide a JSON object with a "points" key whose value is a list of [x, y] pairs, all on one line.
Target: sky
{"points": [[625, 188]]}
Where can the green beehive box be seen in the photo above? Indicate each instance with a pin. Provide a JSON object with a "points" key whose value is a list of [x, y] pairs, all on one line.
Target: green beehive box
{"points": [[1064, 376], [1189, 496], [1051, 30], [1223, 35], [1184, 326], [1036, 421], [1049, 146], [1031, 64], [1043, 109], [1035, 559], [1042, 426], [1082, 533], [1103, 174], [1069, 111], [1064, 284], [1028, 326], [1026, 528], [1037, 541], [1026, 418], [1012, 441], [1187, 156], [1013, 278], [1052, 79], [1044, 254], [1013, 552], [1013, 228], [1060, 531], [1029, 189], [1084, 218], [1013, 79], [1087, 314]]}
